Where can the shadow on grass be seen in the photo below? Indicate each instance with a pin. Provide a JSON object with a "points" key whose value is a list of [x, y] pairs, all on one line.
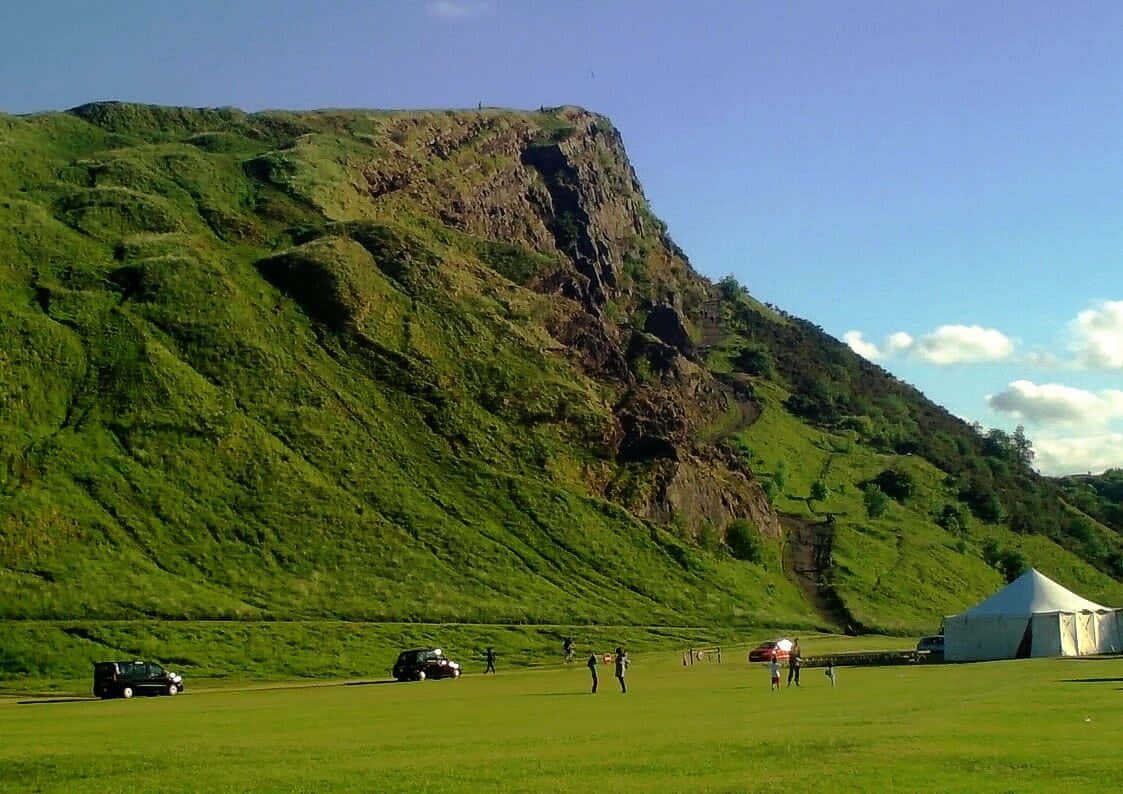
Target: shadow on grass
{"points": [[1091, 680], [560, 694], [56, 700], [369, 683]]}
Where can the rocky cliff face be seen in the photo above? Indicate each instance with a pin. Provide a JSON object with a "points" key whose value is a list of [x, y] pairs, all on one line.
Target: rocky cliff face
{"points": [[558, 183], [561, 184]]}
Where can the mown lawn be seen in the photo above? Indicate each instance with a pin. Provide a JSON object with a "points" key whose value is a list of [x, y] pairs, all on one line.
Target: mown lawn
{"points": [[1008, 726]]}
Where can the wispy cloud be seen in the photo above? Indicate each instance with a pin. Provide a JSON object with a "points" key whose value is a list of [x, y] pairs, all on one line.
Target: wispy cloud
{"points": [[947, 345], [1077, 454], [1097, 336], [450, 10], [1057, 404]]}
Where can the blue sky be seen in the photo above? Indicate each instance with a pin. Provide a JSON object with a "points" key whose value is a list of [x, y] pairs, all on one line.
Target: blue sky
{"points": [[939, 183]]}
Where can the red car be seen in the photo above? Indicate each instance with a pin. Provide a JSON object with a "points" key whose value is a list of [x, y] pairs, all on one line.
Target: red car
{"points": [[767, 650]]}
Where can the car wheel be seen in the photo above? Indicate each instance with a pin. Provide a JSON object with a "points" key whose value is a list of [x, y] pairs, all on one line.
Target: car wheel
{"points": [[127, 692], [173, 689], [420, 675], [455, 673]]}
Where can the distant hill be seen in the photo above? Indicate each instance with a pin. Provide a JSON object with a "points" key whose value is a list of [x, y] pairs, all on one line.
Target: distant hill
{"points": [[448, 366]]}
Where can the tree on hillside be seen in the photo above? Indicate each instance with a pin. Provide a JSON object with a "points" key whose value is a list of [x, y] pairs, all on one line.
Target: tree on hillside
{"points": [[875, 500], [819, 491], [1022, 446], [731, 289]]}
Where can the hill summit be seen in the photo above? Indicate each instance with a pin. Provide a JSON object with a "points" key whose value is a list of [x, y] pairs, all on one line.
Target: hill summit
{"points": [[447, 367]]}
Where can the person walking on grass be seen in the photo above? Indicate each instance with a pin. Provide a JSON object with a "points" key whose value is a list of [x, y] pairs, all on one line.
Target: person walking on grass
{"points": [[592, 664], [774, 672], [490, 661], [829, 672], [621, 668], [795, 661]]}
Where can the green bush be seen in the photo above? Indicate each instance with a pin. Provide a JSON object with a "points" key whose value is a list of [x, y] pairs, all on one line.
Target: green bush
{"points": [[744, 541], [875, 500], [895, 484], [708, 537]]}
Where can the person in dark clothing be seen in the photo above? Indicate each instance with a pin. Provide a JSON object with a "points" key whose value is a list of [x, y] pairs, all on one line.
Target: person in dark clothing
{"points": [[795, 661], [490, 661], [567, 646], [621, 668], [592, 663]]}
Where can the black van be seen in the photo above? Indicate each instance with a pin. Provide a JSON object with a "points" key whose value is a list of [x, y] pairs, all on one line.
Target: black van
{"points": [[125, 679]]}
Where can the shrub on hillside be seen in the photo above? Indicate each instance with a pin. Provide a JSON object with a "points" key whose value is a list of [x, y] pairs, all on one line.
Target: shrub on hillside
{"points": [[951, 519], [754, 360], [896, 484], [708, 537], [744, 541], [875, 500], [982, 501]]}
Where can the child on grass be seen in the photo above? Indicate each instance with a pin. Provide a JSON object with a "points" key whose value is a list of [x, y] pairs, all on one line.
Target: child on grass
{"points": [[829, 672], [774, 671]]}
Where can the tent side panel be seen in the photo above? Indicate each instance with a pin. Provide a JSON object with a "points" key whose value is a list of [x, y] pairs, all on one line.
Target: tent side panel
{"points": [[1047, 634], [1109, 628], [1087, 642], [973, 639], [1068, 634]]}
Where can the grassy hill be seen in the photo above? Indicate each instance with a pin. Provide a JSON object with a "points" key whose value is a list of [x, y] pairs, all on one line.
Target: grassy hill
{"points": [[441, 367]]}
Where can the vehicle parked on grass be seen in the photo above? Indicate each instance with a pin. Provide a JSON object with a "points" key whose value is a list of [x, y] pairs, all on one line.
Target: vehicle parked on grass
{"points": [[421, 663], [125, 679], [766, 651], [931, 645]]}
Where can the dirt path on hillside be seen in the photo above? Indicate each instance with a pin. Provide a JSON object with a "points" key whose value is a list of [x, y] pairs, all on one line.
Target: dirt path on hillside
{"points": [[807, 561]]}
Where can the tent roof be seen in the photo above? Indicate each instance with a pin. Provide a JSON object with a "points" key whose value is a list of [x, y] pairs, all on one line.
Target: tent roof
{"points": [[1031, 593]]}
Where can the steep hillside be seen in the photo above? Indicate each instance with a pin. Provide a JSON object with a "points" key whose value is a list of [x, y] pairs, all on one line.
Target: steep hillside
{"points": [[445, 366]]}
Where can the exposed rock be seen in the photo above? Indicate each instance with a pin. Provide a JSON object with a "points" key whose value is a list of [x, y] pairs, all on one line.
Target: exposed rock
{"points": [[666, 323], [598, 352]]}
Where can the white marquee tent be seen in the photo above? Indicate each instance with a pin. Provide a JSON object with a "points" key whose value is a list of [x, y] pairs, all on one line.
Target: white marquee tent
{"points": [[1032, 616]]}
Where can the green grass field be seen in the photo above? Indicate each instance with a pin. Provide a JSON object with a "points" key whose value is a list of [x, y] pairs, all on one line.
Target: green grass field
{"points": [[1007, 726]]}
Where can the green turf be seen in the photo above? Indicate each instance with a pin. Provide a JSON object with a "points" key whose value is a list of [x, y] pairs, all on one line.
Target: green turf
{"points": [[1008, 726]]}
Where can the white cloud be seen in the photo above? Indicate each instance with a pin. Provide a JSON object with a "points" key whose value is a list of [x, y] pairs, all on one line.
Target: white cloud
{"points": [[898, 342], [962, 344], [454, 9], [948, 344], [1097, 336], [1054, 403], [1075, 455], [859, 345]]}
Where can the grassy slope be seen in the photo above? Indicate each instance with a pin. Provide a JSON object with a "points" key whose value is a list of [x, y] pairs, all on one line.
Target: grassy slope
{"points": [[704, 728], [230, 389], [183, 440], [900, 571]]}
